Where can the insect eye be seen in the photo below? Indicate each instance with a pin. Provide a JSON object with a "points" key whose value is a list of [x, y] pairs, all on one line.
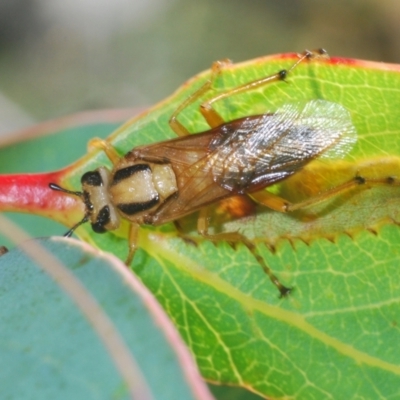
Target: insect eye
{"points": [[92, 178], [103, 218]]}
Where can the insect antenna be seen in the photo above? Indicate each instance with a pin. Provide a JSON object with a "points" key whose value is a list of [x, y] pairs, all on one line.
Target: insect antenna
{"points": [[71, 231], [53, 186]]}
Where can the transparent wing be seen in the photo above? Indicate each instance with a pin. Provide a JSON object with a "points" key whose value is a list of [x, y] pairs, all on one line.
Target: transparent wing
{"points": [[268, 148]]}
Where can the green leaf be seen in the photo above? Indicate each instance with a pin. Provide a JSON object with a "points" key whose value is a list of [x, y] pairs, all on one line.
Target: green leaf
{"points": [[89, 331], [337, 335]]}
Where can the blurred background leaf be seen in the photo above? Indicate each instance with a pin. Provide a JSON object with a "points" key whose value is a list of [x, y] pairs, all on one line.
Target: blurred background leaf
{"points": [[58, 57], [84, 328]]}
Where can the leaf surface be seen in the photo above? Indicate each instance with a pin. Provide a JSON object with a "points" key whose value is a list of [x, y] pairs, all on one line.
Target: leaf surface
{"points": [[337, 335], [89, 331]]}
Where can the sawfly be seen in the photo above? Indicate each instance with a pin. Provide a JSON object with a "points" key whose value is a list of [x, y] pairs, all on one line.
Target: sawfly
{"points": [[162, 182]]}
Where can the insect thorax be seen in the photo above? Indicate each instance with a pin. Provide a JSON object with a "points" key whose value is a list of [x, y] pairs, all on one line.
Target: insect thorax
{"points": [[133, 190]]}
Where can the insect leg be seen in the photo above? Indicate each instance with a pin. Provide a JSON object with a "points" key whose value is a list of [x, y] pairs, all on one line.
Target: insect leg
{"points": [[178, 127], [279, 204], [236, 237], [132, 241], [110, 151], [214, 119]]}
